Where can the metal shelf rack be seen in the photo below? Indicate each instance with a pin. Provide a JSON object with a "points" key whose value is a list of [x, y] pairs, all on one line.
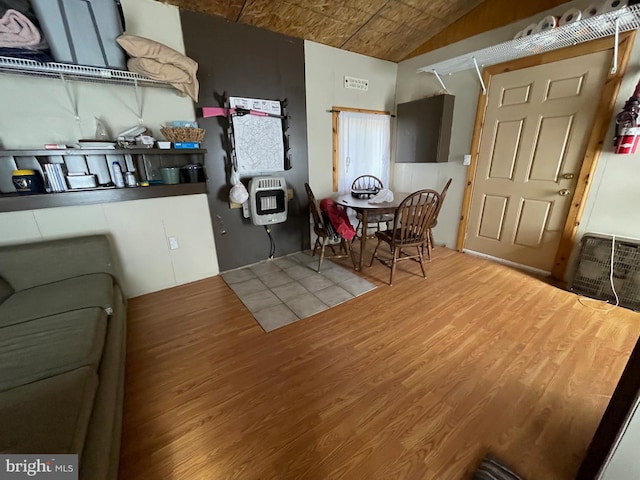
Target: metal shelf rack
{"points": [[30, 68], [600, 26]]}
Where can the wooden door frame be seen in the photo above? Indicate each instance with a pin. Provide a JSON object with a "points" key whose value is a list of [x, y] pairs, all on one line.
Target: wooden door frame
{"points": [[601, 121]]}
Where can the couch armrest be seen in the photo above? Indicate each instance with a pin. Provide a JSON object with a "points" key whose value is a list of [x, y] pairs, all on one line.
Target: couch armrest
{"points": [[32, 264]]}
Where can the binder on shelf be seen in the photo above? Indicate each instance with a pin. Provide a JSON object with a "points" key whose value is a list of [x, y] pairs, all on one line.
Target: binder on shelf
{"points": [[55, 177]]}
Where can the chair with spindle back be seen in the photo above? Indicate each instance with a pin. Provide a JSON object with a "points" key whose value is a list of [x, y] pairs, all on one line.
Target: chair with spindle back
{"points": [[429, 244], [410, 229], [365, 184], [325, 232]]}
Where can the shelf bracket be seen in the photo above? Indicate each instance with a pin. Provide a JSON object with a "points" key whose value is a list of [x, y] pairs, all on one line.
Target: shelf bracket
{"points": [[475, 64], [72, 100], [616, 38], [138, 101], [440, 80]]}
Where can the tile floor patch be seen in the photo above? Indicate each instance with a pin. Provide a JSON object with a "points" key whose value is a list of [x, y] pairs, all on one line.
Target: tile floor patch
{"points": [[333, 295], [285, 262], [299, 271], [264, 269], [275, 317], [248, 287], [287, 289], [356, 286], [313, 283], [236, 276], [260, 300], [275, 279], [306, 305], [338, 275]]}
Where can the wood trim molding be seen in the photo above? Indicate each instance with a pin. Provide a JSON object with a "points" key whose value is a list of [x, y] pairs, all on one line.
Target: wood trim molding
{"points": [[359, 110], [335, 127], [335, 124], [471, 171], [601, 122], [602, 118]]}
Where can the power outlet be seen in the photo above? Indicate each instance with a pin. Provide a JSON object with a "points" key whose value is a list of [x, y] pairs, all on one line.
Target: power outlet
{"points": [[173, 243]]}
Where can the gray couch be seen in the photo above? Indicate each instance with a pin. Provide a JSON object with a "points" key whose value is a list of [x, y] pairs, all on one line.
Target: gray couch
{"points": [[62, 352]]}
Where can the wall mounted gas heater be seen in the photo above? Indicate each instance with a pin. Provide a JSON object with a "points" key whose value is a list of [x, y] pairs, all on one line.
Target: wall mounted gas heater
{"points": [[268, 200]]}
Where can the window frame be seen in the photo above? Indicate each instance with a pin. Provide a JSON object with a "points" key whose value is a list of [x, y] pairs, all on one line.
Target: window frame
{"points": [[335, 125]]}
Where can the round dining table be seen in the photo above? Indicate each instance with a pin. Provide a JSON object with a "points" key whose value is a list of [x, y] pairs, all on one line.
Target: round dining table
{"points": [[365, 208]]}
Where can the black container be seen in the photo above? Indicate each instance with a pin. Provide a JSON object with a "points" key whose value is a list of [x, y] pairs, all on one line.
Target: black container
{"points": [[192, 173], [27, 182]]}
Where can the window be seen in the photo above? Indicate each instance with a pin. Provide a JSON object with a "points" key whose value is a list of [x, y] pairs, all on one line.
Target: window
{"points": [[361, 146]]}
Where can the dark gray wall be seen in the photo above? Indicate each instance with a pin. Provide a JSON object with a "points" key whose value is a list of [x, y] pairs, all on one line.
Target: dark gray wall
{"points": [[245, 61]]}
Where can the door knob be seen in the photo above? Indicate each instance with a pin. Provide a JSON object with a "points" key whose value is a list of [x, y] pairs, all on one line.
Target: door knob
{"points": [[568, 176], [564, 192]]}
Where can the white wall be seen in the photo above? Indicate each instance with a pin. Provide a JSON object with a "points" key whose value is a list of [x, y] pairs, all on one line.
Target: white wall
{"points": [[614, 195], [466, 87], [325, 68], [37, 111], [139, 229]]}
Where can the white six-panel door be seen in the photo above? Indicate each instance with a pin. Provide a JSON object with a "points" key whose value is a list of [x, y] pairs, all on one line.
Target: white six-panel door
{"points": [[535, 133]]}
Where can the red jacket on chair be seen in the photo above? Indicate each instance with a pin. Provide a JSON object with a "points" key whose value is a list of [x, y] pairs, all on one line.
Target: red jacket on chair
{"points": [[338, 218]]}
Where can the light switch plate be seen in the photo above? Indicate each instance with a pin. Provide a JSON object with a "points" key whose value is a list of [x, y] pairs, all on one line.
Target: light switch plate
{"points": [[173, 243], [467, 160]]}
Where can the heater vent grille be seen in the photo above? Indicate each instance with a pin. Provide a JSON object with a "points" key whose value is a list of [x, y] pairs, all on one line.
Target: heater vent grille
{"points": [[269, 183], [591, 277]]}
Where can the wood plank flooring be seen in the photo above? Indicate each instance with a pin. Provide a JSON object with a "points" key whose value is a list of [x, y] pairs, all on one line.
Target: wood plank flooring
{"points": [[414, 381]]}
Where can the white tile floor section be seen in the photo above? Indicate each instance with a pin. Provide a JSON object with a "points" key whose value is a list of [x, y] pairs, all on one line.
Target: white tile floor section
{"points": [[287, 289]]}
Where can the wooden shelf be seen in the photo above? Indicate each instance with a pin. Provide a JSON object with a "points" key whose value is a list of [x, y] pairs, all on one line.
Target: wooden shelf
{"points": [[17, 202]]}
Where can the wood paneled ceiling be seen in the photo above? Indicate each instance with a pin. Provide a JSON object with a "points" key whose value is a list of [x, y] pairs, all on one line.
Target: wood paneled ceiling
{"points": [[387, 29]]}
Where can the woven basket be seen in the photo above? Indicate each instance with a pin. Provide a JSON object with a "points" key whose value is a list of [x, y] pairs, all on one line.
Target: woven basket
{"points": [[183, 134]]}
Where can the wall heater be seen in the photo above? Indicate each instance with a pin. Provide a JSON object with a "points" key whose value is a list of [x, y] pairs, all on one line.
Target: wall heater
{"points": [[268, 200]]}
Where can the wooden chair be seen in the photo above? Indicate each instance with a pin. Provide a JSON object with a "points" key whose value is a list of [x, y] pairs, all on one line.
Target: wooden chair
{"points": [[374, 184], [411, 224], [324, 232], [430, 244]]}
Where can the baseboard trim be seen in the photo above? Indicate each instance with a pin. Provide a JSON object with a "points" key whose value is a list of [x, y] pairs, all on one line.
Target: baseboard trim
{"points": [[509, 263]]}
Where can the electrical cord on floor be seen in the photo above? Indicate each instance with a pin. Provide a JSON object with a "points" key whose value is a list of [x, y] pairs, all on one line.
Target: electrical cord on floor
{"points": [[272, 244], [613, 287]]}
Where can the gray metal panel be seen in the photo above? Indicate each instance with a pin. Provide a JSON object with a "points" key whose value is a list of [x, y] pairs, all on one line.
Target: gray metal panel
{"points": [[246, 61]]}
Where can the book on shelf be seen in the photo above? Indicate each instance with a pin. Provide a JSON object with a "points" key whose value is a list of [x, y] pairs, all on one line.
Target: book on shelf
{"points": [[55, 176]]}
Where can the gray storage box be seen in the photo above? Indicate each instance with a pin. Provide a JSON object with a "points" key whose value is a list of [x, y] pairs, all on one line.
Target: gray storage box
{"points": [[83, 32]]}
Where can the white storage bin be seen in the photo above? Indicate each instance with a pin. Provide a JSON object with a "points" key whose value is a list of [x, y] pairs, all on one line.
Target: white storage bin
{"points": [[83, 32]]}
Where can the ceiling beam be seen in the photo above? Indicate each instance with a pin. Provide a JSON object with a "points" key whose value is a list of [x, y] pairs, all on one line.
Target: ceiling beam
{"points": [[488, 15]]}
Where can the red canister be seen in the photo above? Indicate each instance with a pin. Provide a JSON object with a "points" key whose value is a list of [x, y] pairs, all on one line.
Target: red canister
{"points": [[627, 142]]}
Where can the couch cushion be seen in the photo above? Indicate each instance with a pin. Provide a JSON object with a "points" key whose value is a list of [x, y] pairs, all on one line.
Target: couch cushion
{"points": [[48, 416], [5, 290], [94, 290], [42, 348]]}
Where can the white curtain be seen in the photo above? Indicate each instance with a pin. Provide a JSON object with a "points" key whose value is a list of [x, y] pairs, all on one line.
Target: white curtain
{"points": [[364, 140]]}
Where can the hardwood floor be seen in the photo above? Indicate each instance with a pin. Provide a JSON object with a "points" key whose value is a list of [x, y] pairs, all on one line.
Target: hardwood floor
{"points": [[414, 381]]}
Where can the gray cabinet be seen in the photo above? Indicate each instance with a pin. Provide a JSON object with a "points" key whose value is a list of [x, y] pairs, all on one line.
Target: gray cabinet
{"points": [[423, 132]]}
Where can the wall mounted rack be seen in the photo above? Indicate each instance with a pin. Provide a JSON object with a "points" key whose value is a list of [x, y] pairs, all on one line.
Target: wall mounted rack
{"points": [[604, 25], [81, 73]]}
